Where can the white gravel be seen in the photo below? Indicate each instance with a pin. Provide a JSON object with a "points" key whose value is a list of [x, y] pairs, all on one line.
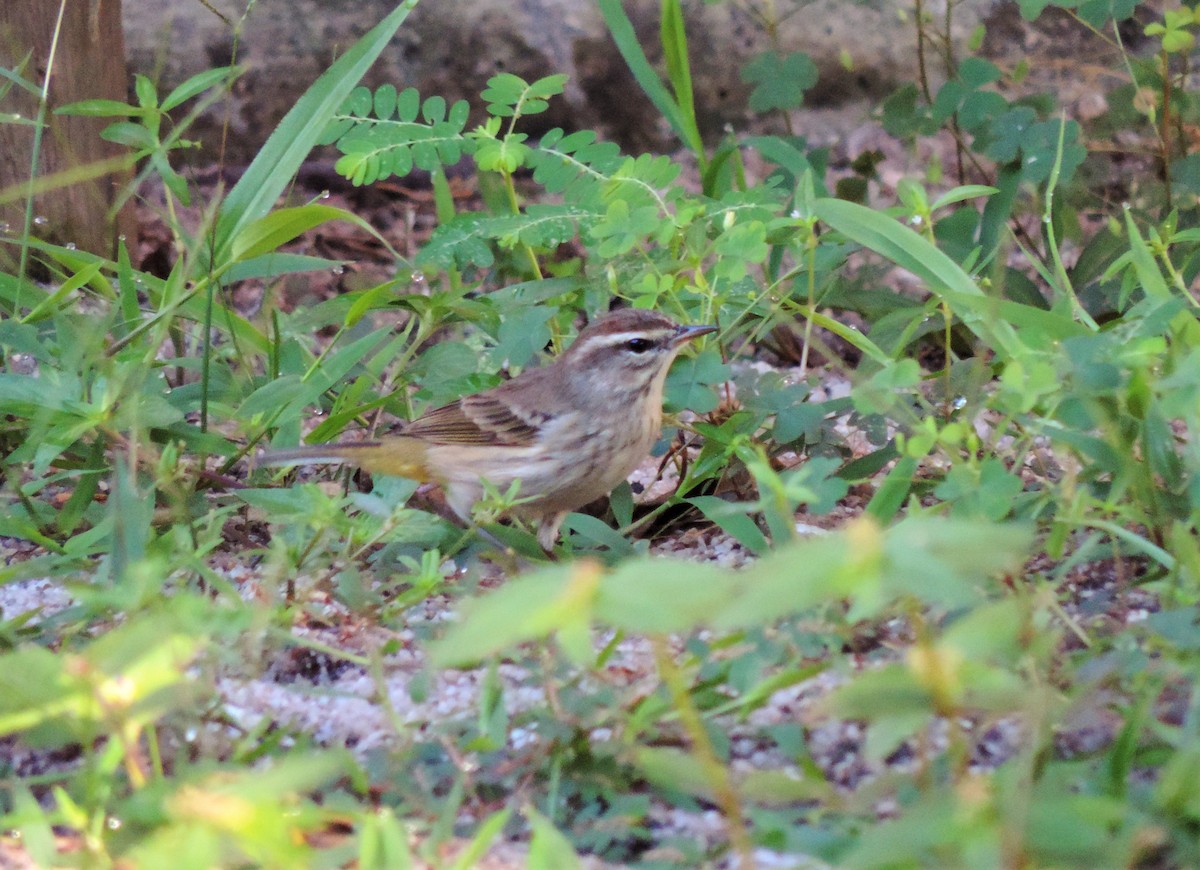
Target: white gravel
{"points": [[40, 597]]}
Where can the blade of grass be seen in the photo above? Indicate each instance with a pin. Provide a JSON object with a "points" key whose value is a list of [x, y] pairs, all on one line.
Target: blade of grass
{"points": [[47, 306], [675, 51], [36, 153], [623, 35], [272, 169], [910, 251]]}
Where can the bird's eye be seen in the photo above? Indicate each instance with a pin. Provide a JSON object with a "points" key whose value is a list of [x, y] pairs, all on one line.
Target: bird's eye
{"points": [[639, 345]]}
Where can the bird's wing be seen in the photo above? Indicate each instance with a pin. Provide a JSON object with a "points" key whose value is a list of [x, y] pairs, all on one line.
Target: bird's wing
{"points": [[485, 418]]}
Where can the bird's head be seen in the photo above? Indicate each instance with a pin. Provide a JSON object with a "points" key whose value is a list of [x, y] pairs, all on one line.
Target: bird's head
{"points": [[627, 353]]}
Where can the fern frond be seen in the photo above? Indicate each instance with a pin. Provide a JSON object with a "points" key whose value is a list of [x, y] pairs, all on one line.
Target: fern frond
{"points": [[389, 133]]}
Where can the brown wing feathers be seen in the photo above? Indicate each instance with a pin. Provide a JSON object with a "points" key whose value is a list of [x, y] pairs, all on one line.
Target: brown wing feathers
{"points": [[480, 419]]}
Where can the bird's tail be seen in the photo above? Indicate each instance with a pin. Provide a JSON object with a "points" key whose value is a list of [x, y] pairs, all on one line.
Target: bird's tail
{"points": [[403, 457]]}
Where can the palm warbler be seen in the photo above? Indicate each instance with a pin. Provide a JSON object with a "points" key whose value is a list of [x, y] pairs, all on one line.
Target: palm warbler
{"points": [[569, 432]]}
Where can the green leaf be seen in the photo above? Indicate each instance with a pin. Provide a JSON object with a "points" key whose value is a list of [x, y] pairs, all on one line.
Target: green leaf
{"points": [[522, 336], [198, 84], [675, 770], [591, 531], [27, 396], [958, 194], [369, 300], [733, 519], [291, 504], [282, 225], [503, 92], [623, 228], [23, 338], [548, 848], [891, 495], [100, 109], [1031, 9], [502, 155], [779, 80], [129, 134], [692, 379], [33, 824], [782, 788], [383, 842], [146, 91], [273, 395], [384, 103], [433, 110], [459, 244], [662, 596], [988, 491], [906, 116], [1152, 281], [485, 833], [535, 100], [142, 659], [1178, 41], [526, 608], [276, 264], [975, 72]]}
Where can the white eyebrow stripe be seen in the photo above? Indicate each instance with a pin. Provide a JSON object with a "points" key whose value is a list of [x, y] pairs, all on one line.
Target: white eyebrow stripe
{"points": [[622, 337]]}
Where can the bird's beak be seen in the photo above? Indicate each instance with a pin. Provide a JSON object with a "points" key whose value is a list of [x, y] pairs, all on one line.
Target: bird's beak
{"points": [[684, 334]]}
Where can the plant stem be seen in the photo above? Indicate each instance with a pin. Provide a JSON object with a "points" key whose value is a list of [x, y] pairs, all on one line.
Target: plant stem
{"points": [[718, 777], [35, 153]]}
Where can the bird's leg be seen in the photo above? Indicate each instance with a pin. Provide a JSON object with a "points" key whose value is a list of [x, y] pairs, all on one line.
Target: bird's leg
{"points": [[512, 562], [423, 500], [508, 559], [547, 533]]}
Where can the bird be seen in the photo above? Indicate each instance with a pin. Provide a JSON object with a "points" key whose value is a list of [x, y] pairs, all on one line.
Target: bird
{"points": [[569, 431]]}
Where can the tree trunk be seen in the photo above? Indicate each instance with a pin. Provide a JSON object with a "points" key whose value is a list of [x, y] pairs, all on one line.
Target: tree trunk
{"points": [[88, 62]]}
